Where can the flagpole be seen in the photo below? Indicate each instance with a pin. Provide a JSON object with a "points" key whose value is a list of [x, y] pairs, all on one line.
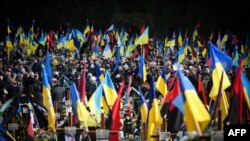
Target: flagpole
{"points": [[218, 98], [144, 131], [198, 128]]}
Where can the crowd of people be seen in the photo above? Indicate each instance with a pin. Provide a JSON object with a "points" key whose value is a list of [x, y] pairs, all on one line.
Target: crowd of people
{"points": [[21, 73]]}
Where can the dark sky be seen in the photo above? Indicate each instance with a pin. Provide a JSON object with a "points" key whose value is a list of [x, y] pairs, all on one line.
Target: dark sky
{"points": [[162, 16]]}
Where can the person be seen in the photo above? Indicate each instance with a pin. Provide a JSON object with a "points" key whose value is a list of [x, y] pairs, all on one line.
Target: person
{"points": [[37, 67], [36, 89], [57, 94]]}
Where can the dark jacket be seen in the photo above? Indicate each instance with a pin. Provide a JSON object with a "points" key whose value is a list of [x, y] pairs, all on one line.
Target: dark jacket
{"points": [[57, 94]]}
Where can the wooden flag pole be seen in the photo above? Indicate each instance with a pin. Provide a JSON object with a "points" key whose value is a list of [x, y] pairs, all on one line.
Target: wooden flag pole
{"points": [[219, 120], [198, 128], [144, 131]]}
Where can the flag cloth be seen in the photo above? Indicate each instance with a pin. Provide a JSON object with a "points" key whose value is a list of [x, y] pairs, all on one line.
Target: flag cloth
{"points": [[47, 101], [42, 39], [170, 98], [245, 57], [70, 45], [177, 96], [201, 90], [236, 112], [154, 117], [87, 29], [246, 88], [196, 116], [143, 39], [48, 67], [236, 57], [82, 85], [161, 83], [79, 35], [8, 27], [109, 90], [107, 53], [9, 44], [111, 28], [143, 107], [142, 69], [95, 102], [118, 59], [180, 42], [79, 109], [99, 75], [217, 66], [181, 54], [222, 57], [116, 114], [30, 129]]}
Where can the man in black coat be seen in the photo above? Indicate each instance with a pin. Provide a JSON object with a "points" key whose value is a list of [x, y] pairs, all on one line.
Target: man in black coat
{"points": [[57, 94]]}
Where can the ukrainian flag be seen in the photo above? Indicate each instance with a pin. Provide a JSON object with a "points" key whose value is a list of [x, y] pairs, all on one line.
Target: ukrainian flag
{"points": [[70, 45], [79, 109], [78, 34], [142, 69], [99, 75], [180, 41], [47, 101], [220, 61], [195, 114], [222, 58], [42, 39], [143, 39], [181, 54], [245, 57], [154, 116], [8, 42], [87, 29], [48, 67], [107, 51], [95, 102], [109, 90], [143, 107], [161, 83], [61, 42]]}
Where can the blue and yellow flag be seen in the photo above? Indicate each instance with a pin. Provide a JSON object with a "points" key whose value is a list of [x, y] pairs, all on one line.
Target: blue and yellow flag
{"points": [[118, 58], [47, 101], [181, 54], [87, 29], [78, 35], [220, 61], [154, 116], [180, 41], [143, 39], [109, 90], [161, 83], [99, 75], [222, 57], [95, 102], [107, 51], [143, 107], [196, 115], [48, 67], [9, 44], [79, 109], [42, 39], [142, 69]]}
